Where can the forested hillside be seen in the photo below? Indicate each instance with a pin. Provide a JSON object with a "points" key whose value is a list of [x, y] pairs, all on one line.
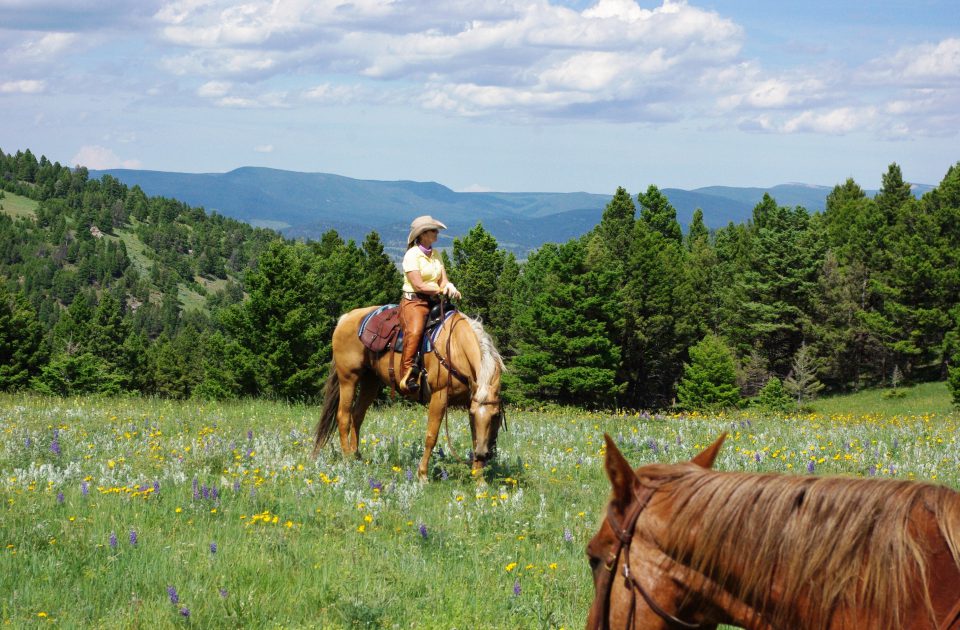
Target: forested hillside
{"points": [[105, 289]]}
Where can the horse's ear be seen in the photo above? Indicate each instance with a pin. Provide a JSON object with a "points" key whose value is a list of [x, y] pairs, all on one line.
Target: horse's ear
{"points": [[622, 477], [709, 454]]}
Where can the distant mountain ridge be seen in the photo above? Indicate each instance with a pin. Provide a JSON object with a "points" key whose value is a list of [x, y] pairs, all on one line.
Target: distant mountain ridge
{"points": [[305, 205]]}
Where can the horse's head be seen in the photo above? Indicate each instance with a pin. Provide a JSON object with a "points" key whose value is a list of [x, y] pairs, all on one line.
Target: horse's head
{"points": [[630, 528], [486, 416]]}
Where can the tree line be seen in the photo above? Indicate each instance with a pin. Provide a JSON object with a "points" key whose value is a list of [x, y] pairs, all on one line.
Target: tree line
{"points": [[108, 290]]}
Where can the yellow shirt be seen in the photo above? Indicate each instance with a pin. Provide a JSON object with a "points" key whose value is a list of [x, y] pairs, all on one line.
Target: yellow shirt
{"points": [[430, 268]]}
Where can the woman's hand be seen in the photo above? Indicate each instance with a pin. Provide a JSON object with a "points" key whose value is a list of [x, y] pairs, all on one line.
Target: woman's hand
{"points": [[451, 291]]}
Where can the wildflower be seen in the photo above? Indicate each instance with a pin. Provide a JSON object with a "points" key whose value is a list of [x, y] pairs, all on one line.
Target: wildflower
{"points": [[249, 435], [443, 474], [375, 485], [184, 612], [133, 537], [511, 566], [567, 535], [223, 593], [409, 474], [174, 597], [156, 486], [423, 531], [810, 466], [41, 614], [113, 540], [55, 446], [213, 547], [516, 588], [60, 497], [756, 457], [28, 442], [196, 489], [84, 488], [236, 485], [873, 471]]}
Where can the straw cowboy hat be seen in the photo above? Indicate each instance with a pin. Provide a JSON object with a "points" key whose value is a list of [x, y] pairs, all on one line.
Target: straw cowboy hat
{"points": [[421, 225]]}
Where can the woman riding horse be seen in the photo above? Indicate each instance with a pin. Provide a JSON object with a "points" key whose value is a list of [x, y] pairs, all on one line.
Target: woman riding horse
{"points": [[424, 282]]}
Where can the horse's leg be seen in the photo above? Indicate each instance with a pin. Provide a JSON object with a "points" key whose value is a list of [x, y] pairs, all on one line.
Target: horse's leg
{"points": [[349, 441], [438, 402], [370, 386]]}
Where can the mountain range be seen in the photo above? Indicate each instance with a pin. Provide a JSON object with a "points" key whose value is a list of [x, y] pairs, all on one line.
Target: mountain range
{"points": [[305, 205]]}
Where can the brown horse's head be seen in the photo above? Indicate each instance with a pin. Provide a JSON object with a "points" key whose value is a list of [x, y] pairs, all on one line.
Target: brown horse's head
{"points": [[630, 522]]}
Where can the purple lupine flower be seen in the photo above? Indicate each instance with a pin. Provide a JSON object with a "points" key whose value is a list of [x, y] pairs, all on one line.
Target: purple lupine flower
{"points": [[653, 445], [84, 488], [156, 487], [408, 474], [679, 441], [253, 491], [440, 452], [810, 466], [213, 547], [249, 453], [55, 447], [250, 434], [133, 537], [196, 489], [184, 612], [223, 593], [423, 530], [872, 471], [567, 535], [444, 475], [214, 493], [756, 457], [60, 497], [172, 592], [896, 443], [516, 587], [375, 485], [205, 491], [236, 485], [893, 469], [28, 442], [113, 540]]}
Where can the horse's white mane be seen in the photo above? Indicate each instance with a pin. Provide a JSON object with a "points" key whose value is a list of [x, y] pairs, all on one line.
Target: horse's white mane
{"points": [[490, 359]]}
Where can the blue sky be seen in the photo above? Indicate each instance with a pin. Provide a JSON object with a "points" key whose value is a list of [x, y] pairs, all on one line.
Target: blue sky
{"points": [[506, 95]]}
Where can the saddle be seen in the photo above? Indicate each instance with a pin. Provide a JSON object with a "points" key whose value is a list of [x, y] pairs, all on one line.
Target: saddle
{"points": [[380, 330]]}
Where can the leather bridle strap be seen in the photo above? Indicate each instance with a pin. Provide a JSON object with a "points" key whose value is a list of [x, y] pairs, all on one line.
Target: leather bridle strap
{"points": [[952, 618], [624, 538]]}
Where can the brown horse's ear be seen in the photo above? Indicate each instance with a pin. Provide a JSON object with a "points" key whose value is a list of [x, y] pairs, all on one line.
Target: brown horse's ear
{"points": [[622, 477], [707, 457]]}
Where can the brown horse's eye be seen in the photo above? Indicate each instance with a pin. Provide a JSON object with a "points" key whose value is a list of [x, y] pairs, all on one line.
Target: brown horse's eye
{"points": [[594, 562]]}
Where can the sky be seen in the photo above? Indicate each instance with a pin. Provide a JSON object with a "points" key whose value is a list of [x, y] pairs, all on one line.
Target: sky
{"points": [[490, 95]]}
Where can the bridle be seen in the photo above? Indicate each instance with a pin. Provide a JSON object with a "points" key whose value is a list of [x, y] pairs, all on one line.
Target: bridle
{"points": [[624, 535]]}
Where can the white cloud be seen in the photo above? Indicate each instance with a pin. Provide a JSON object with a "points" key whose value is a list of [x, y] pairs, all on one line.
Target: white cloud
{"points": [[97, 158], [25, 86], [44, 48], [214, 89], [927, 64], [264, 148]]}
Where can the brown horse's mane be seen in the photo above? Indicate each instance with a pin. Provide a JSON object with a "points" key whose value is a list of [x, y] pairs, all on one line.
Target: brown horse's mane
{"points": [[828, 542]]}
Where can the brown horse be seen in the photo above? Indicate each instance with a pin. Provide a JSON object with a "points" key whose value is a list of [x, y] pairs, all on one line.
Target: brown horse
{"points": [[467, 351], [685, 547]]}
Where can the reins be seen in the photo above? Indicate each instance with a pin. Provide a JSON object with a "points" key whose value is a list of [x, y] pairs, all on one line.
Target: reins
{"points": [[622, 546]]}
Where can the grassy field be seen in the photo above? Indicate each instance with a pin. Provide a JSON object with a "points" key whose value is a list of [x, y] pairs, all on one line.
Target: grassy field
{"points": [[121, 513], [17, 206]]}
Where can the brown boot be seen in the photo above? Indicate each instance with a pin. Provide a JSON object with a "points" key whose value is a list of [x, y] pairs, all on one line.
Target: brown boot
{"points": [[410, 383]]}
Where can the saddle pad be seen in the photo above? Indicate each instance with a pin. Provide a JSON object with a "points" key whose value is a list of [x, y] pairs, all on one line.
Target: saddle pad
{"points": [[429, 337]]}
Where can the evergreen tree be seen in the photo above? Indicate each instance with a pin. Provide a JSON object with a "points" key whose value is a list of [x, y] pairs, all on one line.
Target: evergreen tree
{"points": [[477, 265], [802, 381], [710, 379], [565, 353], [774, 396], [22, 351], [659, 215]]}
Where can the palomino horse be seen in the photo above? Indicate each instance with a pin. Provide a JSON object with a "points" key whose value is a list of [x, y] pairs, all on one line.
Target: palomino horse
{"points": [[685, 547], [468, 354]]}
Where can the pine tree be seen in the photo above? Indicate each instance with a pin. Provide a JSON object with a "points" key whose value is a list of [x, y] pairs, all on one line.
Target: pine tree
{"points": [[802, 381], [774, 396], [477, 265], [710, 379], [22, 351]]}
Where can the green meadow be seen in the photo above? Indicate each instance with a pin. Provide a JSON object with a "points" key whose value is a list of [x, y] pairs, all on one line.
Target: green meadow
{"points": [[131, 512]]}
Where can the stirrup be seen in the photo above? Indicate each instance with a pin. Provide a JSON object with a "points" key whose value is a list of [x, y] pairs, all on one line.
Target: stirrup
{"points": [[410, 383]]}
